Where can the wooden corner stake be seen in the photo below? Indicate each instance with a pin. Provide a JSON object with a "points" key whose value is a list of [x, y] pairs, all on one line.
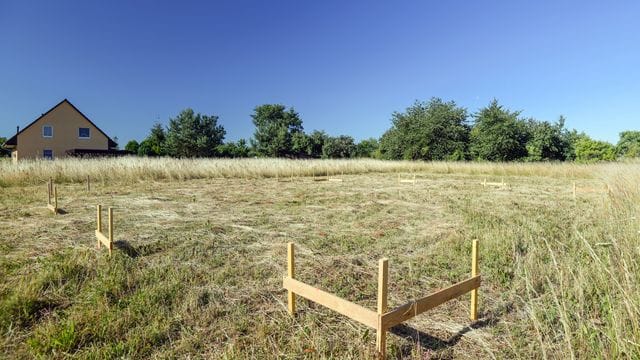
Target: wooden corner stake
{"points": [[99, 222], [291, 273], [474, 272], [383, 290], [110, 231]]}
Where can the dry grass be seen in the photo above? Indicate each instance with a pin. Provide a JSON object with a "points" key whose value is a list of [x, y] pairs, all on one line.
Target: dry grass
{"points": [[132, 169], [199, 268]]}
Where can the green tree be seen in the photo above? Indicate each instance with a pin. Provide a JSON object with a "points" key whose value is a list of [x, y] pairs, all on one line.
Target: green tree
{"points": [[155, 143], [194, 135], [391, 146], [232, 149], [433, 130], [367, 148], [317, 139], [547, 141], [308, 145], [629, 144], [498, 134], [300, 143], [132, 146], [589, 150], [339, 147], [275, 128]]}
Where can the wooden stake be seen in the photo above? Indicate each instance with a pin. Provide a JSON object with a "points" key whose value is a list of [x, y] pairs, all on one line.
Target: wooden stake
{"points": [[110, 230], [383, 284], [291, 273], [49, 190], [383, 289], [99, 222], [55, 199], [474, 273], [574, 189], [88, 184]]}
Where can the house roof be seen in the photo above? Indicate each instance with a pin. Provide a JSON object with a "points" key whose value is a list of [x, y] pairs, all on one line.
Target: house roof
{"points": [[14, 139]]}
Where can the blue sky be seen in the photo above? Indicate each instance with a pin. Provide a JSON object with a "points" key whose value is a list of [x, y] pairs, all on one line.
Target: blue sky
{"points": [[344, 65]]}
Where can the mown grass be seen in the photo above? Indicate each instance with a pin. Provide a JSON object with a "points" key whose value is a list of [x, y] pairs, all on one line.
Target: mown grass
{"points": [[199, 263]]}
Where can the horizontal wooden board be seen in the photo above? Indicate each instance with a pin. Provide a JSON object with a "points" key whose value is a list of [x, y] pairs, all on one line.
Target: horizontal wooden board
{"points": [[407, 181], [103, 239], [52, 208], [344, 307], [335, 179], [407, 311]]}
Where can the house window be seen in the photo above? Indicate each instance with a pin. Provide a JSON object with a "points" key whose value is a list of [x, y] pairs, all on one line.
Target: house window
{"points": [[84, 133], [47, 131], [47, 154]]}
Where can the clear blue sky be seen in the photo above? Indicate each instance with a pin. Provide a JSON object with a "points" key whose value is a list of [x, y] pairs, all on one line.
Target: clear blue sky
{"points": [[344, 65]]}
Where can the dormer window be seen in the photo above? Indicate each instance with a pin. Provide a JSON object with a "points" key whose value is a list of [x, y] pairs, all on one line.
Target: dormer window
{"points": [[84, 133], [47, 131]]}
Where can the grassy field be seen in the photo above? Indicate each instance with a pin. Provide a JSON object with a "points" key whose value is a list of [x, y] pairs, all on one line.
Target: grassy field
{"points": [[202, 250]]}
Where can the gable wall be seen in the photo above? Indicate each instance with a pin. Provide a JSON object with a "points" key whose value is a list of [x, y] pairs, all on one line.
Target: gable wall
{"points": [[65, 121]]}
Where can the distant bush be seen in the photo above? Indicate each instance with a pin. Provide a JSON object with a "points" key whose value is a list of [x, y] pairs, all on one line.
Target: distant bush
{"points": [[589, 150]]}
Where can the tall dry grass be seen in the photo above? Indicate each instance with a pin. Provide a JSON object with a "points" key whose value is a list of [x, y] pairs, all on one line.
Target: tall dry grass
{"points": [[131, 169], [582, 295]]}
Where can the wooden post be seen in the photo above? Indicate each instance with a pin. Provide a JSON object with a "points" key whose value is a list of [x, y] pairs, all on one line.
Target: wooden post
{"points": [[99, 221], [474, 272], [55, 199], [291, 273], [383, 287], [484, 184], [49, 190], [574, 189], [99, 218], [88, 184], [110, 230]]}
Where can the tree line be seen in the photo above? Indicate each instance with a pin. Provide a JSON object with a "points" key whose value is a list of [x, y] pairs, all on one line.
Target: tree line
{"points": [[278, 133], [428, 130]]}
